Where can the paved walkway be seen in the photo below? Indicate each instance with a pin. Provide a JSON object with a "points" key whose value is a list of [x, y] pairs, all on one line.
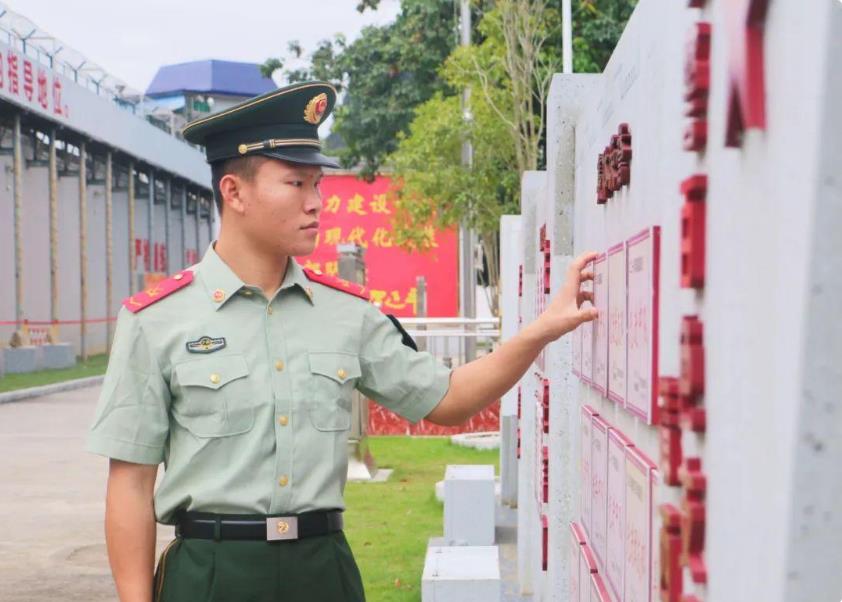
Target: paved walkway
{"points": [[52, 502]]}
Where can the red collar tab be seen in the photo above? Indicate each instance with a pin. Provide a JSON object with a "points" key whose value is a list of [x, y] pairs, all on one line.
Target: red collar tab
{"points": [[338, 283], [158, 291]]}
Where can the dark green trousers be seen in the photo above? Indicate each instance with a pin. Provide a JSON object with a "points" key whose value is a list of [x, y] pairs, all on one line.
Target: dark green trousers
{"points": [[311, 569]]}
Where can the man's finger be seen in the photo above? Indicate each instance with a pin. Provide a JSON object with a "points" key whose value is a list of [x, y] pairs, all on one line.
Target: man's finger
{"points": [[586, 275], [582, 260], [574, 273], [584, 296], [587, 314]]}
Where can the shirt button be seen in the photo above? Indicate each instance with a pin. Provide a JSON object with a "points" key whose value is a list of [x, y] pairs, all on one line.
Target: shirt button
{"points": [[283, 481], [283, 420], [214, 378], [279, 365], [341, 373]]}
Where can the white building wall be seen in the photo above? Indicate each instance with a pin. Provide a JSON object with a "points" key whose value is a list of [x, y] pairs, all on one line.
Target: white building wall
{"points": [[769, 305]]}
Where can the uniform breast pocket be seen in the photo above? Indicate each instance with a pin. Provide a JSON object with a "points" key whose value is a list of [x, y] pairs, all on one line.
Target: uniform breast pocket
{"points": [[332, 378], [216, 398]]}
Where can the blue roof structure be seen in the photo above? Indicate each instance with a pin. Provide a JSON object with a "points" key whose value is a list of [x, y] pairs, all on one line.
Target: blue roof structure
{"points": [[210, 77]]}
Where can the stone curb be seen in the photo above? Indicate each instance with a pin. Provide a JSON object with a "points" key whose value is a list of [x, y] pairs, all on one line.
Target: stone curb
{"points": [[68, 385]]}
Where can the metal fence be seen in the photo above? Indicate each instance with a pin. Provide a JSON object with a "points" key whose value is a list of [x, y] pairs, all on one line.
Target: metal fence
{"points": [[445, 337]]}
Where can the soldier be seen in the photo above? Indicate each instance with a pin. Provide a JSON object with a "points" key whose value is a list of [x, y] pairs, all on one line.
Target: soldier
{"points": [[237, 374]]}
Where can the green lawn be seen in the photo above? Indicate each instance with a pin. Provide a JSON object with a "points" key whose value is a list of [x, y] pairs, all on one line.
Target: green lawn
{"points": [[388, 524], [93, 367]]}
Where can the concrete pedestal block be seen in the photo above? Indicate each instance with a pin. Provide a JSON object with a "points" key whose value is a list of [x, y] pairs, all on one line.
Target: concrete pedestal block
{"points": [[461, 574], [18, 360], [58, 355], [469, 504]]}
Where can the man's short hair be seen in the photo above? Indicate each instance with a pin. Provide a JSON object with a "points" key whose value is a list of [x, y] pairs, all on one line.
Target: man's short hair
{"points": [[244, 167]]}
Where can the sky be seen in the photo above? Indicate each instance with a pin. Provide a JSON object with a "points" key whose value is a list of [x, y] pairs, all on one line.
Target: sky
{"points": [[131, 39]]}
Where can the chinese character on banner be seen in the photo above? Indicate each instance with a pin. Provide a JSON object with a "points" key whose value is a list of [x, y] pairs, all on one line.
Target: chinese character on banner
{"points": [[393, 301], [412, 299], [14, 82], [332, 204], [355, 205], [43, 89], [28, 80], [312, 265], [57, 109], [357, 236], [379, 205], [382, 238], [333, 236], [332, 268], [377, 296]]}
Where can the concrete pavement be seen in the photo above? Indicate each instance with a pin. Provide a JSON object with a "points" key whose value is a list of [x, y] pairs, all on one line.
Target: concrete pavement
{"points": [[52, 503]]}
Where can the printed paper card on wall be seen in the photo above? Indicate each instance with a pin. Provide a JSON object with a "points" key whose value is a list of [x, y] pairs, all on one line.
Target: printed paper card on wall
{"points": [[617, 323], [616, 516], [599, 498], [576, 342], [577, 539], [587, 567], [599, 360], [637, 581], [588, 414], [599, 591], [655, 476], [643, 252], [586, 329]]}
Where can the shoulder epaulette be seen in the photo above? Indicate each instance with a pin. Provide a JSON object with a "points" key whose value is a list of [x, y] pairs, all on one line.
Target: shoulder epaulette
{"points": [[338, 283], [158, 291]]}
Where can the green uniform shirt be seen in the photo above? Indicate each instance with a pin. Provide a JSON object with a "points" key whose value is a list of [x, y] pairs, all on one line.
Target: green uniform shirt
{"points": [[259, 425]]}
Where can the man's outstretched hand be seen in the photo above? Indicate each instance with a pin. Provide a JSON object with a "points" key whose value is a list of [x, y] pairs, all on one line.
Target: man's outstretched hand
{"points": [[566, 311]]}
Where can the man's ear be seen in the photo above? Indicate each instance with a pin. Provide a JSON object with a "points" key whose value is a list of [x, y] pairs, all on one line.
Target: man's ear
{"points": [[231, 187]]}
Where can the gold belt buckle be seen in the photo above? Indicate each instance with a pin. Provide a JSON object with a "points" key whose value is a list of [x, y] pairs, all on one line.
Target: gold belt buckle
{"points": [[281, 527]]}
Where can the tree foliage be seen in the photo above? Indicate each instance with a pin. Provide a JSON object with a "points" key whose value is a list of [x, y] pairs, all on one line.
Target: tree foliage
{"points": [[384, 74], [597, 25]]}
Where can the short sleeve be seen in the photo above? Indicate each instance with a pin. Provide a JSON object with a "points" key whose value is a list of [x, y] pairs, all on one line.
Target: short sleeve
{"points": [[408, 382], [131, 420]]}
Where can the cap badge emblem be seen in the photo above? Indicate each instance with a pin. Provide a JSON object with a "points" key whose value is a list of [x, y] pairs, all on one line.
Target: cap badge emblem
{"points": [[315, 109]]}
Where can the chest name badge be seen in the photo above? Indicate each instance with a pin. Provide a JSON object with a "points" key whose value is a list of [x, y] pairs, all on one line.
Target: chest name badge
{"points": [[206, 345]]}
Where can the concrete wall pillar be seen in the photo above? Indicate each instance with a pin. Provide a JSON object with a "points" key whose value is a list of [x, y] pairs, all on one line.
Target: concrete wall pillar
{"points": [[83, 248]]}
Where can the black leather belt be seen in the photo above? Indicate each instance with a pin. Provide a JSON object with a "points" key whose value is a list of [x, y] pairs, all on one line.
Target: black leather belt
{"points": [[208, 525]]}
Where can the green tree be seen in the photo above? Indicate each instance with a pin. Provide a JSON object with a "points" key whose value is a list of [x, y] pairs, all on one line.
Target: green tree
{"points": [[508, 74], [384, 74], [432, 187], [597, 25]]}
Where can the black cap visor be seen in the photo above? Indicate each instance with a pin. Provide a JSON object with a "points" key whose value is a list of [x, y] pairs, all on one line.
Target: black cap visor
{"points": [[304, 155]]}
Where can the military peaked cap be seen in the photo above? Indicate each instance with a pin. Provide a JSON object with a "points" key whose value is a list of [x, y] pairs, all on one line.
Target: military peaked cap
{"points": [[282, 124]]}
